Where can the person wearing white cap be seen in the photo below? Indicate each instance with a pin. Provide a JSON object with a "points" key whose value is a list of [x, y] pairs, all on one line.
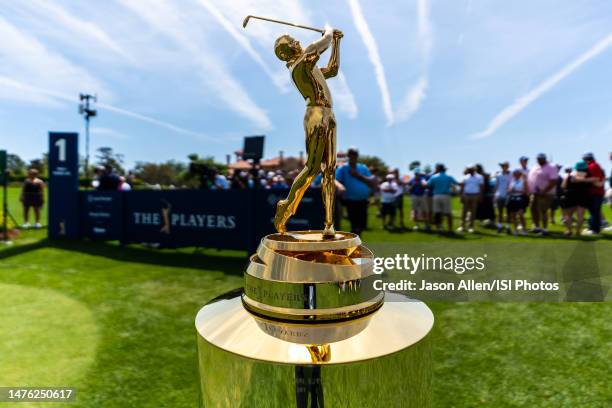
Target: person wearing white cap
{"points": [[472, 189], [388, 197], [502, 181]]}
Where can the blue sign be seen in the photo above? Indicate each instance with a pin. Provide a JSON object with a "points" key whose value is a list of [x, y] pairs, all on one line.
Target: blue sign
{"points": [[309, 214], [63, 185], [212, 218], [102, 215], [225, 219]]}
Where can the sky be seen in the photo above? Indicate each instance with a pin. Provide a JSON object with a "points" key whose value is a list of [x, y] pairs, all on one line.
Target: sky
{"points": [[459, 82]]}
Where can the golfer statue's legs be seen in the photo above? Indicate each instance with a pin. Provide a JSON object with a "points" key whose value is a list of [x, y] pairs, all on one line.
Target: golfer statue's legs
{"points": [[328, 187], [286, 208]]}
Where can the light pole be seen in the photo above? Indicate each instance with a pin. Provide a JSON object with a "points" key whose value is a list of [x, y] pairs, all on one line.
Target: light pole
{"points": [[87, 113]]}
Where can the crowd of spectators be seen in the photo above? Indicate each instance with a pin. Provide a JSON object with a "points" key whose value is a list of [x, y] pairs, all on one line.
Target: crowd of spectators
{"points": [[500, 200]]}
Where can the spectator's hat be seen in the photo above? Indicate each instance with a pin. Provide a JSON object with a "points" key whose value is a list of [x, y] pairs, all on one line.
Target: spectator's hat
{"points": [[523, 158], [505, 164], [517, 171], [541, 156], [440, 166], [352, 150], [581, 166], [588, 156], [418, 171], [390, 176]]}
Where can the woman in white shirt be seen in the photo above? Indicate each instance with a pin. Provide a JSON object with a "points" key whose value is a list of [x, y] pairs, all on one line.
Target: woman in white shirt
{"points": [[518, 200], [388, 197]]}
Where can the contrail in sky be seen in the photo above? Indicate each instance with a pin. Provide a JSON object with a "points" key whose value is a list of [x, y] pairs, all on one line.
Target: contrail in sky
{"points": [[104, 106], [524, 101], [372, 48]]}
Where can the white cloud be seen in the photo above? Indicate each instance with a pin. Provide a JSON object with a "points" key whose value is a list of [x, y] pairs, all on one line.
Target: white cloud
{"points": [[108, 132], [154, 121], [54, 20], [412, 100], [281, 81], [215, 75], [416, 94], [27, 60], [58, 98], [424, 30], [524, 101], [370, 43], [342, 95]]}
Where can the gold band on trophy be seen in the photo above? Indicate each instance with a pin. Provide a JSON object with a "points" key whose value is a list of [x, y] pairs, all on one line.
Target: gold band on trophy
{"points": [[304, 276]]}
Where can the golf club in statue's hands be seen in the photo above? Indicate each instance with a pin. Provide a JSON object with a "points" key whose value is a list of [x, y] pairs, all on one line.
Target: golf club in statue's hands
{"points": [[247, 18], [319, 120]]}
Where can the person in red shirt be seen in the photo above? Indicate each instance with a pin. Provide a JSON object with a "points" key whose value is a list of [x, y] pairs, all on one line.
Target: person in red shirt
{"points": [[596, 193]]}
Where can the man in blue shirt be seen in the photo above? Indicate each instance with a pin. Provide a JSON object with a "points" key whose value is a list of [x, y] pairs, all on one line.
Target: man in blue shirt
{"points": [[441, 186], [357, 180], [417, 187]]}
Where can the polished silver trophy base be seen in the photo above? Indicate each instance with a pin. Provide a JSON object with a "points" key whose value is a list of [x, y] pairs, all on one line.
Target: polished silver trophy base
{"points": [[381, 359]]}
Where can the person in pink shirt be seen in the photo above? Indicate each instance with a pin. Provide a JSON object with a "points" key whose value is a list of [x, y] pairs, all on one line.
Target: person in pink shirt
{"points": [[542, 181]]}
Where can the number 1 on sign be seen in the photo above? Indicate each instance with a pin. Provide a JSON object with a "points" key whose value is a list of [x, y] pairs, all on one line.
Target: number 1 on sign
{"points": [[61, 149]]}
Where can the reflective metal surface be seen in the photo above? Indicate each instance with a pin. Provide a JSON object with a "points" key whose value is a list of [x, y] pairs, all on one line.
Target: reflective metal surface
{"points": [[321, 295], [311, 241], [321, 266], [311, 313], [382, 360], [398, 324], [305, 275], [319, 122]]}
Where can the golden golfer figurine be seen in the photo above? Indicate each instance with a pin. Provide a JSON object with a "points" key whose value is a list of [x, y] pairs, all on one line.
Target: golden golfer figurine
{"points": [[319, 120], [310, 324]]}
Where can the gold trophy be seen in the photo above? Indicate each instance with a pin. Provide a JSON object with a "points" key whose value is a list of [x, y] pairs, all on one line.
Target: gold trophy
{"points": [[309, 329]]}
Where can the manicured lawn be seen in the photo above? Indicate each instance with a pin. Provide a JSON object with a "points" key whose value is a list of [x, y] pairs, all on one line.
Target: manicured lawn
{"points": [[117, 324]]}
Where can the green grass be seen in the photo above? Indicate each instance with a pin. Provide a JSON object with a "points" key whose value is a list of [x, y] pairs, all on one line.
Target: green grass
{"points": [[118, 324]]}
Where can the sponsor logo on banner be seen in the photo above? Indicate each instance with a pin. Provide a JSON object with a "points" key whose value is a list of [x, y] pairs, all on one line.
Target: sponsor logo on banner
{"points": [[166, 219]]}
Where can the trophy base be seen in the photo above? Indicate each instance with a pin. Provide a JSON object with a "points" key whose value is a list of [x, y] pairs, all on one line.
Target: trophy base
{"points": [[382, 359]]}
